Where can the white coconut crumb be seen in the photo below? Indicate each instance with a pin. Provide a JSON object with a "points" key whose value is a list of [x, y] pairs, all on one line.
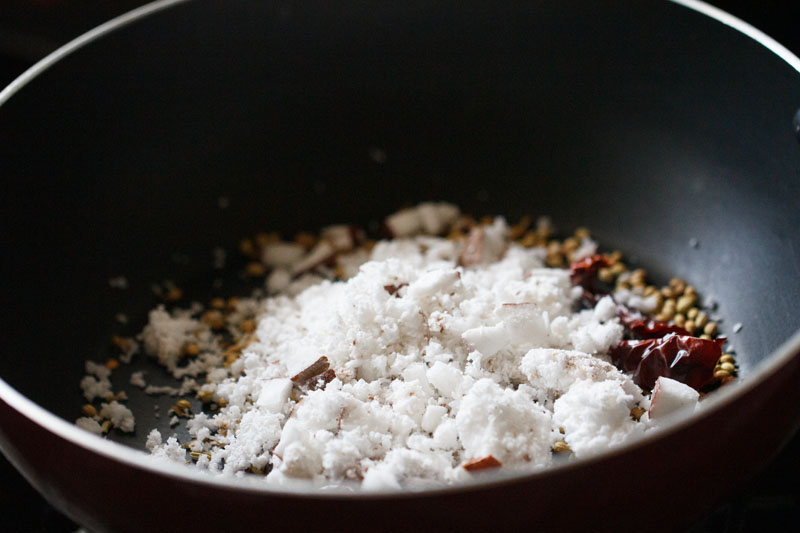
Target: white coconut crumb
{"points": [[137, 380], [161, 389], [120, 416], [597, 415], [165, 335], [153, 440], [435, 360], [504, 423], [737, 327], [89, 424], [671, 396], [282, 254], [171, 449], [93, 387], [96, 369], [635, 299], [278, 280], [431, 218], [118, 282], [188, 385], [130, 348], [587, 247], [434, 363]]}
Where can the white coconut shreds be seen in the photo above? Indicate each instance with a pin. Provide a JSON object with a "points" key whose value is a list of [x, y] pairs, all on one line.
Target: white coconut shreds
{"points": [[411, 368], [435, 364]]}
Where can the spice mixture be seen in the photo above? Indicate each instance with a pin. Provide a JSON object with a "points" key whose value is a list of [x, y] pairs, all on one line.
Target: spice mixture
{"points": [[452, 348]]}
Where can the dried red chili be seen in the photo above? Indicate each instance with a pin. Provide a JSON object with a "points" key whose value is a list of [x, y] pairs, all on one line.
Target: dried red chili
{"points": [[584, 273], [665, 350], [687, 359]]}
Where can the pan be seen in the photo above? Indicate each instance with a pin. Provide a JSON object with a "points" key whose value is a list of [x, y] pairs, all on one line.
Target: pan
{"points": [[654, 123]]}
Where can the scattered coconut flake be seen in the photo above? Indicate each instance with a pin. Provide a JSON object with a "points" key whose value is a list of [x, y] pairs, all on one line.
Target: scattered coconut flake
{"points": [[163, 389], [89, 424], [737, 327], [120, 416], [153, 440], [93, 387], [137, 379], [171, 450], [671, 396]]}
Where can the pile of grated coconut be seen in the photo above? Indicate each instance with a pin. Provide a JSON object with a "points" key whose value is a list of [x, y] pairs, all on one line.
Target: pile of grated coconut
{"points": [[433, 359]]}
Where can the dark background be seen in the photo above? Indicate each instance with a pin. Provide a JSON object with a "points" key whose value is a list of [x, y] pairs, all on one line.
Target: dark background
{"points": [[30, 29]]}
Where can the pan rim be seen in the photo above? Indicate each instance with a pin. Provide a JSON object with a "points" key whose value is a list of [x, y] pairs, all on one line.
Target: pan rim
{"points": [[147, 9], [139, 459]]}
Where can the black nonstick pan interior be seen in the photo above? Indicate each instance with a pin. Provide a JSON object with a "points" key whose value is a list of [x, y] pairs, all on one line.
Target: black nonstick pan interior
{"points": [[630, 118]]}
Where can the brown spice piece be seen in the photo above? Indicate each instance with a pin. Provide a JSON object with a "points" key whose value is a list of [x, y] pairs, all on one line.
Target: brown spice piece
{"points": [[529, 240], [231, 355], [306, 240], [173, 294], [554, 260], [263, 239], [392, 289], [518, 230], [196, 455], [314, 369], [248, 326], [89, 410], [112, 364], [190, 349], [214, 319], [255, 269], [205, 396], [582, 233], [322, 380], [721, 374], [218, 303], [637, 412], [561, 447], [473, 465], [124, 344], [247, 248], [181, 408]]}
